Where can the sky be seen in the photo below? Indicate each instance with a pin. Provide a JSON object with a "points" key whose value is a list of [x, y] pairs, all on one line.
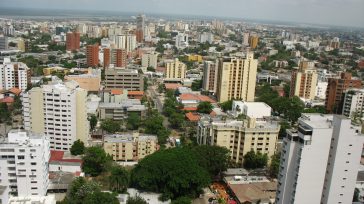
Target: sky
{"points": [[329, 12]]}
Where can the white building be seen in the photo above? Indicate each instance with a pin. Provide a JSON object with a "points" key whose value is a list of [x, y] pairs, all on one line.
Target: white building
{"points": [[4, 194], [14, 74], [181, 40], [321, 89], [206, 37], [251, 109], [353, 105], [24, 163], [59, 111], [49, 199], [320, 161], [150, 60], [126, 42]]}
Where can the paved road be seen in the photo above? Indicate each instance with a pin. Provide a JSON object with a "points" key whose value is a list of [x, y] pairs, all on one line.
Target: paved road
{"points": [[158, 101]]}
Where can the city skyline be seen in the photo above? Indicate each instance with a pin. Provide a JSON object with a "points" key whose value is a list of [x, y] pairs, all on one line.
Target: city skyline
{"points": [[337, 12]]}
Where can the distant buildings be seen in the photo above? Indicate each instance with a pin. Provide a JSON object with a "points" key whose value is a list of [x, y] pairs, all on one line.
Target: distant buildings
{"points": [[205, 37], [130, 147], [175, 69], [129, 79], [246, 39], [24, 163], [320, 161], [150, 60], [210, 71], [92, 54], [4, 44], [126, 42], [253, 41], [304, 81], [59, 111], [236, 78], [14, 74], [335, 91], [117, 57], [73, 41], [181, 41], [140, 28]]}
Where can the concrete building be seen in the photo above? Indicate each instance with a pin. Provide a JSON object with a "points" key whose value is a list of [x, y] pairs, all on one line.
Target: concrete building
{"points": [[4, 194], [150, 60], [59, 111], [119, 110], [251, 109], [304, 81], [126, 42], [321, 89], [206, 37], [320, 161], [253, 41], [335, 91], [181, 41], [130, 146], [140, 30], [49, 199], [4, 44], [24, 163], [91, 81], [92, 54], [210, 71], [129, 79], [116, 57], [239, 137], [236, 78], [353, 105], [14, 74], [246, 39], [73, 41], [175, 69]]}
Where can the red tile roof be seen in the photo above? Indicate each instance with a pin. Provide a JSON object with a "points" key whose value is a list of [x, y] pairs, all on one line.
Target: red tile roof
{"points": [[15, 91], [57, 156], [193, 117], [190, 108], [170, 86], [189, 96], [7, 100], [136, 93], [116, 92]]}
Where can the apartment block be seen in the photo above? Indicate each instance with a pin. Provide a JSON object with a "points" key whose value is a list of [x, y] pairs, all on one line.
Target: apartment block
{"points": [[119, 110], [126, 42], [117, 57], [59, 111], [92, 54], [14, 74], [239, 136], [304, 81], [150, 60], [130, 146], [175, 69], [210, 71], [253, 41], [237, 78], [24, 163], [129, 79], [91, 81], [353, 105], [335, 91], [72, 41], [320, 161]]}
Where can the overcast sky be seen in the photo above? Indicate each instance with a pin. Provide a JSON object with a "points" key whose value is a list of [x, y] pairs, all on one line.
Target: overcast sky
{"points": [[333, 12]]}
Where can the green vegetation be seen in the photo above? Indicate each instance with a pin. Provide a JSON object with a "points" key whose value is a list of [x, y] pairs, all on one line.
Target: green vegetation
{"points": [[30, 61], [227, 105], [56, 47], [172, 109], [196, 85], [204, 107], [254, 160], [95, 161], [110, 126], [146, 84], [182, 200], [315, 109], [133, 121], [136, 200], [78, 148], [93, 122], [154, 125], [119, 179], [274, 166], [4, 113]]}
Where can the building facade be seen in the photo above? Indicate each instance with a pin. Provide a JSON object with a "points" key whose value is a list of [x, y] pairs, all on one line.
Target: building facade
{"points": [[210, 71], [73, 41], [353, 105], [237, 78], [128, 79], [117, 57], [150, 60], [304, 81], [320, 161], [59, 111], [175, 69], [14, 74], [92, 54], [24, 163]]}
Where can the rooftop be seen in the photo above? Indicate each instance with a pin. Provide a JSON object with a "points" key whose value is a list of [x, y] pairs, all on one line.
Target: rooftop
{"points": [[252, 193], [128, 137]]}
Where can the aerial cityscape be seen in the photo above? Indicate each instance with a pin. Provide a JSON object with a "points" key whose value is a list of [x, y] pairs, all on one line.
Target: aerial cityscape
{"points": [[181, 102]]}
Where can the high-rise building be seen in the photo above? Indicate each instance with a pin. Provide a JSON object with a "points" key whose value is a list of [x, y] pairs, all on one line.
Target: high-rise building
{"points": [[246, 39], [9, 30], [240, 137], [21, 44], [150, 60], [59, 111], [4, 44], [210, 71], [14, 74], [140, 28], [24, 163], [320, 161], [181, 40], [335, 91], [253, 41], [304, 81], [206, 37], [353, 105], [236, 78], [117, 57], [92, 54], [130, 79], [175, 69], [335, 43], [126, 42], [130, 147], [61, 29], [73, 41]]}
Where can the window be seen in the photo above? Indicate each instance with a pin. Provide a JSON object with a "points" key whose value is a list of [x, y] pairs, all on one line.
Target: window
{"points": [[21, 157]]}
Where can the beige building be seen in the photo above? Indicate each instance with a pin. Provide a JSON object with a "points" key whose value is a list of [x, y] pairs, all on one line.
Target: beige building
{"points": [[304, 81], [90, 81], [210, 76], [237, 78], [119, 78], [130, 146], [59, 111], [175, 69], [239, 137]]}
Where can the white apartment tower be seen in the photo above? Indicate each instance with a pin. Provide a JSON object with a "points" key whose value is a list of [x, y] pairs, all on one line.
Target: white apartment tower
{"points": [[181, 40], [14, 74], [150, 60], [126, 42], [320, 161], [24, 160], [354, 103], [58, 111]]}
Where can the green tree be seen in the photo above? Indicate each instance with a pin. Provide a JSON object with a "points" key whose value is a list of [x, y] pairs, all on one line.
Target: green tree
{"points": [[196, 85], [17, 103], [214, 159], [227, 105], [93, 122], [254, 160], [182, 200], [284, 126], [177, 120], [133, 121], [4, 113], [95, 161], [136, 200], [52, 58], [110, 126], [78, 148], [356, 195], [119, 179], [173, 172], [274, 166], [204, 107], [146, 84], [99, 197]]}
